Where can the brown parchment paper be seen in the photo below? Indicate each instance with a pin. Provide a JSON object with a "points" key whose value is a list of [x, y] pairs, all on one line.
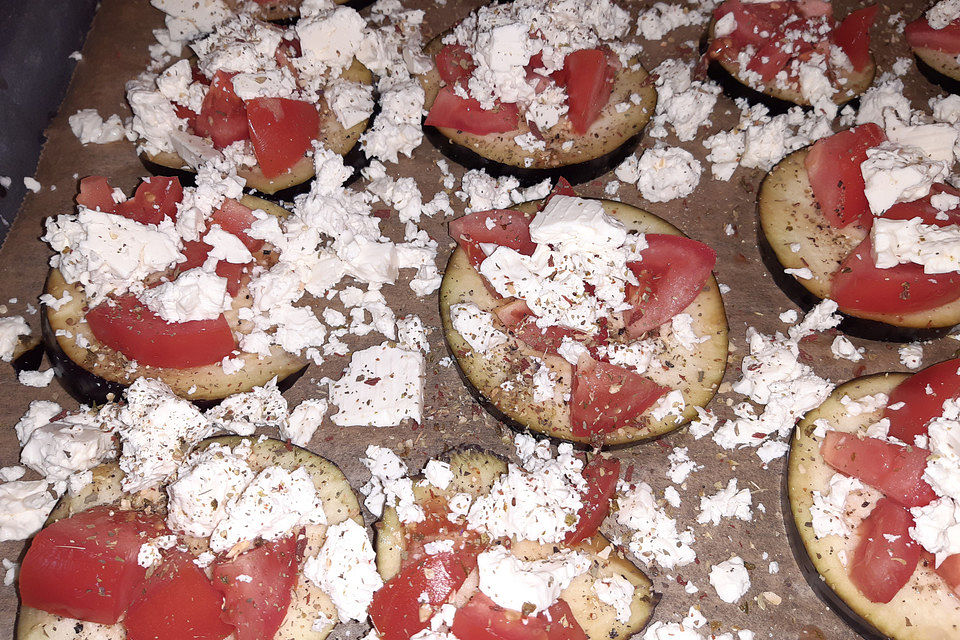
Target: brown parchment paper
{"points": [[116, 50]]}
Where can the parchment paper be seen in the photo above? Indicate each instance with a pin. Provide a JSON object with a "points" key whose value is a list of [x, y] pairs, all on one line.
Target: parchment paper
{"points": [[116, 50]]}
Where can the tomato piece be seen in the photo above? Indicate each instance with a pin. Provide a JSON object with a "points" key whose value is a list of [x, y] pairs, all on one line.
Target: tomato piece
{"points": [[858, 285], [853, 36], [588, 76], [236, 218], [833, 167], [257, 607], [606, 397], [672, 272], [96, 193], [482, 619], [920, 35], [919, 406], [775, 52], [754, 22], [129, 327], [454, 63], [395, 609], [156, 198], [465, 114], [503, 227], [223, 117], [517, 317], [601, 475], [886, 556], [562, 188], [85, 566], [949, 570], [178, 601], [895, 470], [282, 131], [196, 252]]}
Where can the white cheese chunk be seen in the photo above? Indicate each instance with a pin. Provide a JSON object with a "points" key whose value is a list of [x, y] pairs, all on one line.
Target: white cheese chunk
{"points": [[730, 579], [936, 248], [516, 584], [578, 223], [346, 570], [196, 294], [892, 173], [476, 327], [24, 507], [381, 387]]}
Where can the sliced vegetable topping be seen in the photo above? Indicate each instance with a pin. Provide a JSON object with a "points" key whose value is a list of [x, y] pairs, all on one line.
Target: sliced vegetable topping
{"points": [[482, 619], [853, 36], [85, 566], [920, 35], [920, 398], [282, 130], [465, 114], [588, 76], [605, 397], [886, 556], [223, 116], [601, 475], [502, 227]]}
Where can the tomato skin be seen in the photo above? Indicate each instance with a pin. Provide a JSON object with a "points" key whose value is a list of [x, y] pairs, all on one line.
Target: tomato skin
{"points": [[156, 198], [395, 609], [178, 601], [853, 36], [507, 228], [465, 114], [223, 116], [588, 76], [919, 407], [96, 193], [85, 566], [752, 19], [454, 64], [895, 470], [920, 35], [601, 475], [881, 566], [257, 608], [130, 328], [236, 218], [672, 272], [604, 397], [482, 619], [282, 130], [833, 168], [562, 188], [949, 570]]}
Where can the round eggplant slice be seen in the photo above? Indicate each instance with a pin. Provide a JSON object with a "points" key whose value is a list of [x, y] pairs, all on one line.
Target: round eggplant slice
{"points": [[474, 472], [925, 608], [939, 68], [287, 10], [695, 374], [95, 373], [790, 217], [776, 97], [578, 158], [345, 142], [307, 602]]}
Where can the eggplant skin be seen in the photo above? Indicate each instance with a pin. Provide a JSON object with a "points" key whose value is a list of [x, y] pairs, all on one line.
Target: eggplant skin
{"points": [[609, 140], [696, 374], [789, 215], [939, 68], [98, 374], [925, 608], [339, 503], [474, 472]]}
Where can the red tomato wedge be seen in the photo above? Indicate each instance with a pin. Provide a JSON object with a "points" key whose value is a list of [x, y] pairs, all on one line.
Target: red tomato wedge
{"points": [[139, 334], [503, 227], [178, 601], [454, 63], [776, 51], [156, 198], [853, 36], [223, 117], [256, 607], [588, 75], [949, 570], [236, 218], [601, 475], [482, 619], [833, 167], [919, 406], [517, 317], [96, 193], [895, 470], [606, 397], [395, 610], [282, 130], [85, 566], [672, 272], [752, 20], [920, 35], [562, 188], [197, 251], [886, 556], [465, 114]]}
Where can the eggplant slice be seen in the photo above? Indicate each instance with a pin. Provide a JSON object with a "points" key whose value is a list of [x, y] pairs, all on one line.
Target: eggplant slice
{"points": [[696, 374], [288, 11], [777, 98], [925, 608], [96, 374], [939, 68], [345, 142], [610, 139], [474, 472], [789, 215], [308, 601]]}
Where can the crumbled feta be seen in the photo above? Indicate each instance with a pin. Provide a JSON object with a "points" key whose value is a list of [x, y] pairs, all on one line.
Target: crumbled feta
{"points": [[893, 173], [911, 355], [730, 579], [655, 537], [726, 503], [617, 592], [517, 584], [74, 444], [841, 347], [90, 128], [381, 387], [304, 421], [346, 570], [828, 513], [24, 507], [667, 174], [936, 248], [476, 327], [389, 485]]}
